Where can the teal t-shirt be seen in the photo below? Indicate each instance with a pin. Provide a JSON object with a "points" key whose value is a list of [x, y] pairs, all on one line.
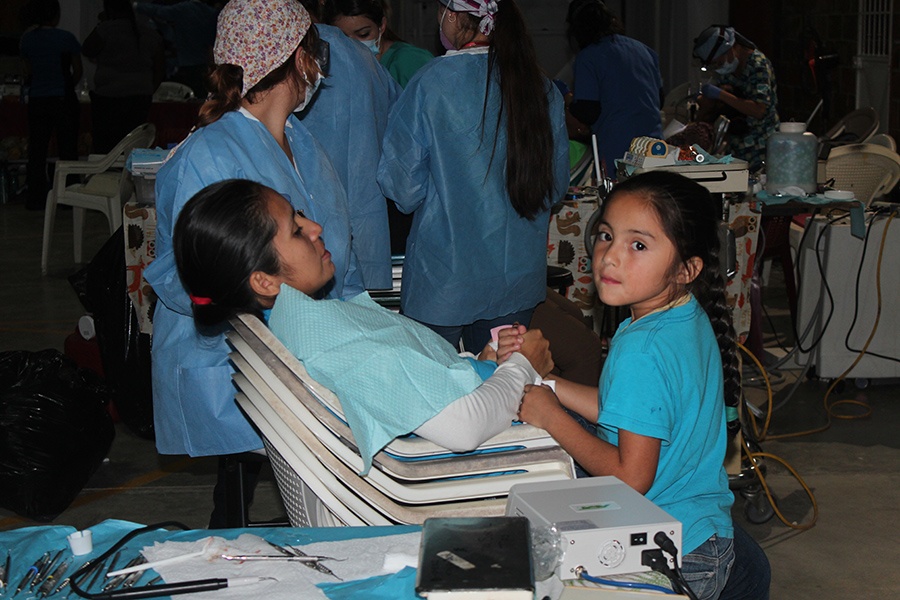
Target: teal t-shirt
{"points": [[663, 379]]}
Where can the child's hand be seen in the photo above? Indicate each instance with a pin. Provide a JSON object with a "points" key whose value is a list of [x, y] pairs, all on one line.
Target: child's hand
{"points": [[539, 406], [536, 349]]}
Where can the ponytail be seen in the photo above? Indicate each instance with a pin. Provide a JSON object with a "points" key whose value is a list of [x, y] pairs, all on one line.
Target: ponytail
{"points": [[512, 62]]}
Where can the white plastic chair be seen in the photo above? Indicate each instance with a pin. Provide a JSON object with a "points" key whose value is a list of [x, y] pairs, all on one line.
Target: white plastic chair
{"points": [[316, 463], [106, 189], [883, 139], [856, 127], [172, 91], [868, 170]]}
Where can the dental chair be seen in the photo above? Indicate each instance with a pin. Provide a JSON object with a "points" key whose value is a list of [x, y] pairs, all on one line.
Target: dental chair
{"points": [[316, 462]]}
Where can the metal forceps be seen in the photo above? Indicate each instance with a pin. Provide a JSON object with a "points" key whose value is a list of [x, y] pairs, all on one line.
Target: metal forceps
{"points": [[313, 562]]}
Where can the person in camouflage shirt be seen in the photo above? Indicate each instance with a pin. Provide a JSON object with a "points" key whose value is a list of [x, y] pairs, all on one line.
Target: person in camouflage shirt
{"points": [[745, 83]]}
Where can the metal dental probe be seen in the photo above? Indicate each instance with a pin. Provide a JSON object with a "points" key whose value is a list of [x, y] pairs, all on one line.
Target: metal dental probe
{"points": [[32, 571]]}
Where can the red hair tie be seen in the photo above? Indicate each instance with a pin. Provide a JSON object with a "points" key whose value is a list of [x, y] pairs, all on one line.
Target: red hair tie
{"points": [[200, 300]]}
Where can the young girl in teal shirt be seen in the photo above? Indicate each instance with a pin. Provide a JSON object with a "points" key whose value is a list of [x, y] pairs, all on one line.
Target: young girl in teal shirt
{"points": [[660, 408]]}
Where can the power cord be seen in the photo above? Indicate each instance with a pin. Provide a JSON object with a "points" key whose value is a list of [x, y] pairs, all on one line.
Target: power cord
{"points": [[583, 574], [656, 561], [755, 457]]}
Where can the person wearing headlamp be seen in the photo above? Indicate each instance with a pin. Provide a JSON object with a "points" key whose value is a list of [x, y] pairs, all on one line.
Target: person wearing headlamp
{"points": [[745, 82], [269, 62]]}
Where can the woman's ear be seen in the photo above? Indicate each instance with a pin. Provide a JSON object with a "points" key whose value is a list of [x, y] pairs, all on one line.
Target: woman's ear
{"points": [[689, 270], [265, 286]]}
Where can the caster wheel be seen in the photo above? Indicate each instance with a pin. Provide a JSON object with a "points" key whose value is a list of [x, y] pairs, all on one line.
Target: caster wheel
{"points": [[861, 383], [759, 511]]}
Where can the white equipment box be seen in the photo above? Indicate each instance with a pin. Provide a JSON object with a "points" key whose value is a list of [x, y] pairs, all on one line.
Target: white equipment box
{"points": [[718, 178], [833, 316], [604, 524]]}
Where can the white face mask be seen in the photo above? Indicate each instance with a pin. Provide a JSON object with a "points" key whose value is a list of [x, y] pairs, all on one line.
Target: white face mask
{"points": [[310, 92], [728, 67], [373, 45]]}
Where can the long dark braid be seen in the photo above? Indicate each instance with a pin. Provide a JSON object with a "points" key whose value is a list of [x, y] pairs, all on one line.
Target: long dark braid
{"points": [[691, 219]]}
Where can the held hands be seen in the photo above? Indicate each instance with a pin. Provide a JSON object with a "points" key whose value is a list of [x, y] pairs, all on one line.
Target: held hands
{"points": [[530, 344], [536, 348]]}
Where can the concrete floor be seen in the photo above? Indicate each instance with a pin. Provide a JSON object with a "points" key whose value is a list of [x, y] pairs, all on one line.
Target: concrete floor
{"points": [[851, 468]]}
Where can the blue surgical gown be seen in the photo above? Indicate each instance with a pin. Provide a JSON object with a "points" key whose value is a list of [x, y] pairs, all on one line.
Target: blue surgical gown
{"points": [[469, 256], [348, 118], [193, 396], [623, 75]]}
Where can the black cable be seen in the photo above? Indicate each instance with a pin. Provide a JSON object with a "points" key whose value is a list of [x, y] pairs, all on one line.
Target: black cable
{"points": [[778, 341], [825, 286], [862, 260], [147, 590], [668, 546]]}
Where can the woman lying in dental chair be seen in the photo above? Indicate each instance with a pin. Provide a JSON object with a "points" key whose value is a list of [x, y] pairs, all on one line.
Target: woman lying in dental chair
{"points": [[239, 245]]}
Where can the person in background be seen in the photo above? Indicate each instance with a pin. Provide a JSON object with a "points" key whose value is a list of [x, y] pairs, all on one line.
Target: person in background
{"points": [[476, 148], [744, 83], [348, 117], [671, 376], [130, 66], [193, 27], [51, 59], [266, 69], [617, 91], [365, 20]]}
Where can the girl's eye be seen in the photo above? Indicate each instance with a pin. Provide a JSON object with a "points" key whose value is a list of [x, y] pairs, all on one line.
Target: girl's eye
{"points": [[638, 246], [604, 236]]}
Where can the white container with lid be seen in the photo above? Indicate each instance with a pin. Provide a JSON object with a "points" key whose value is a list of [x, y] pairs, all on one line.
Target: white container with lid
{"points": [[791, 159]]}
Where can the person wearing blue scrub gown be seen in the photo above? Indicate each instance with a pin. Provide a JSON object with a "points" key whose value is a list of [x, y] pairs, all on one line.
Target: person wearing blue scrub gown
{"points": [[259, 139], [474, 260], [348, 117], [617, 88]]}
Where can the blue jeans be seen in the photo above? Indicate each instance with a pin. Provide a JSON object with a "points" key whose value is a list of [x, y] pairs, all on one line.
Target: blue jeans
{"points": [[706, 569], [728, 569], [476, 335], [750, 574]]}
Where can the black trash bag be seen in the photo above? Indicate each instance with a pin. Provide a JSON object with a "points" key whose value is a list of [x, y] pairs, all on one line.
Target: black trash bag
{"points": [[54, 431], [124, 350]]}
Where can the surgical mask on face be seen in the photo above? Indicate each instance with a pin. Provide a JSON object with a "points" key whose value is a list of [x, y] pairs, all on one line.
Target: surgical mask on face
{"points": [[728, 67], [372, 44], [310, 92], [445, 41]]}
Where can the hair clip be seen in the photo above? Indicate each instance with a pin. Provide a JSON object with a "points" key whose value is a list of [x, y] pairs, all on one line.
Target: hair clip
{"points": [[200, 300]]}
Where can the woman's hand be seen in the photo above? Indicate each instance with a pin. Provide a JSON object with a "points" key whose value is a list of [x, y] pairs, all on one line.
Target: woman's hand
{"points": [[509, 340], [539, 406]]}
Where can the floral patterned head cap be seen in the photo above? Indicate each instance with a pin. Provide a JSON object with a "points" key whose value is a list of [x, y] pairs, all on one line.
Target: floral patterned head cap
{"points": [[259, 35]]}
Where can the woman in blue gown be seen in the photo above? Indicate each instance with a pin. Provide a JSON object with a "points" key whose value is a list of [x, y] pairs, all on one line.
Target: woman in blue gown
{"points": [[476, 149], [266, 68]]}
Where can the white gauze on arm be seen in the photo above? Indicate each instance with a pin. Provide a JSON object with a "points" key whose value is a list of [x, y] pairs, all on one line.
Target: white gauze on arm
{"points": [[473, 419]]}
